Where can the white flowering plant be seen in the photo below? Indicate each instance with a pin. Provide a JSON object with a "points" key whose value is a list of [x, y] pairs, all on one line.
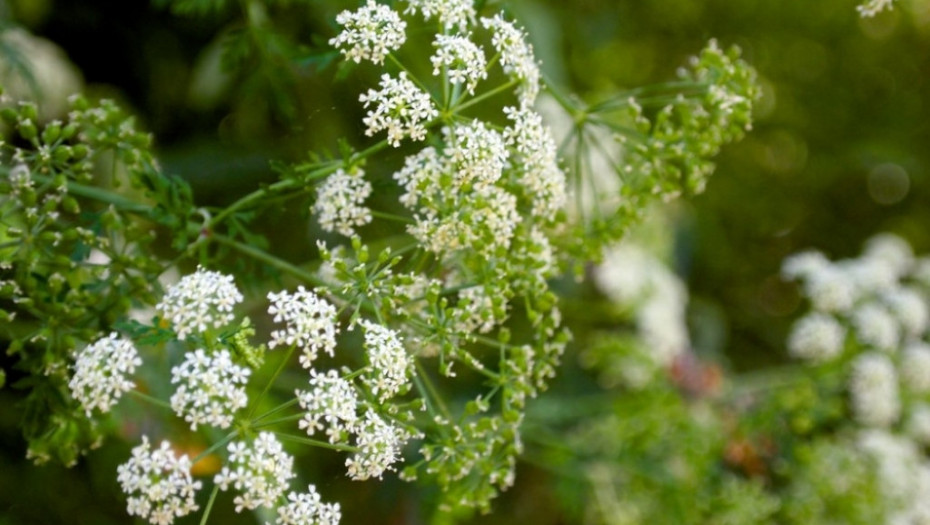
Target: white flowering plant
{"points": [[412, 341]]}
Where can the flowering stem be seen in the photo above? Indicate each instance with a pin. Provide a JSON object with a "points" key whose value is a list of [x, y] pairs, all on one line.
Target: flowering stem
{"points": [[153, 400], [102, 195], [391, 217], [316, 442], [269, 259], [427, 390], [206, 511], [292, 417]]}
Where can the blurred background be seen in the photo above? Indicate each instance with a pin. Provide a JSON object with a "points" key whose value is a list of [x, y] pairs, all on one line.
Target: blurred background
{"points": [[840, 151]]}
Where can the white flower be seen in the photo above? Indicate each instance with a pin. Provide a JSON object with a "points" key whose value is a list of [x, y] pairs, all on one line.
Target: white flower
{"points": [[100, 373], [464, 62], [339, 202], [369, 33], [399, 107], [310, 323], [876, 327], [918, 423], [915, 367], [830, 289], [389, 364], [379, 445], [892, 250], [516, 56], [308, 509], [898, 461], [816, 337], [803, 265], [871, 8], [259, 471], [537, 155], [451, 13], [331, 400], [211, 389], [421, 176], [910, 309], [200, 300], [477, 152], [158, 484], [873, 390]]}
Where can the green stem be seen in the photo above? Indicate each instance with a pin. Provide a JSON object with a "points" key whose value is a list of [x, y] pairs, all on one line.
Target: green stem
{"points": [[316, 442], [271, 381], [392, 217], [102, 195], [275, 410], [421, 377], [206, 511], [268, 259], [150, 399], [285, 419], [214, 447], [486, 95]]}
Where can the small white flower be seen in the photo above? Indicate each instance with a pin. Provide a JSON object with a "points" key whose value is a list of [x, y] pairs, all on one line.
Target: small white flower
{"points": [[331, 400], [516, 56], [873, 390], [871, 8], [816, 337], [340, 202], [830, 289], [158, 484], [909, 308], [210, 389], [451, 13], [100, 373], [918, 423], [369, 33], [463, 61], [259, 471], [477, 152], [389, 364], [804, 265], [379, 445], [537, 154], [399, 107], [876, 327], [310, 323], [199, 301], [308, 509], [915, 367]]}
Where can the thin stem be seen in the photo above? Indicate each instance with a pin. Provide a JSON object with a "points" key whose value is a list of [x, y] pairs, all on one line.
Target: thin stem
{"points": [[150, 399], [206, 511], [268, 259], [214, 447], [392, 217], [316, 442], [271, 381], [422, 377], [487, 94], [102, 195], [275, 410], [285, 419]]}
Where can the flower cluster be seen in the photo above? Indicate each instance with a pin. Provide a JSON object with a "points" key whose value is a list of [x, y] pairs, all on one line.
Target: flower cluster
{"points": [[259, 471], [451, 13], [461, 59], [379, 444], [340, 202], [399, 107], [310, 323], [389, 364], [516, 56], [100, 373], [871, 8], [330, 400], [211, 388], [158, 484], [308, 509], [369, 33], [201, 300]]}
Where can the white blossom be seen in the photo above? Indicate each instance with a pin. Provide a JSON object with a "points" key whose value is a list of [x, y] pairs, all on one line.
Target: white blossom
{"points": [[910, 309], [477, 152], [158, 484], [876, 327], [310, 323], [816, 337], [831, 289], [451, 13], [211, 388], [199, 301], [340, 202], [915, 367], [892, 250], [463, 61], [918, 423], [379, 445], [537, 154], [389, 364], [516, 56], [399, 107], [100, 373], [804, 264], [308, 509], [369, 33], [330, 400], [259, 471], [873, 390]]}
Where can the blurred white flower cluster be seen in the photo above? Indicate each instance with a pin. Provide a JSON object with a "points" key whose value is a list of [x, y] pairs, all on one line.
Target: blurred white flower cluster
{"points": [[158, 483], [201, 300], [100, 373]]}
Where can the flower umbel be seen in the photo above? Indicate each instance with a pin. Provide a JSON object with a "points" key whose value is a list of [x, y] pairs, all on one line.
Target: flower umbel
{"points": [[310, 323], [308, 509], [340, 202], [369, 33], [399, 107], [100, 372], [259, 471], [158, 484], [211, 390], [199, 301]]}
